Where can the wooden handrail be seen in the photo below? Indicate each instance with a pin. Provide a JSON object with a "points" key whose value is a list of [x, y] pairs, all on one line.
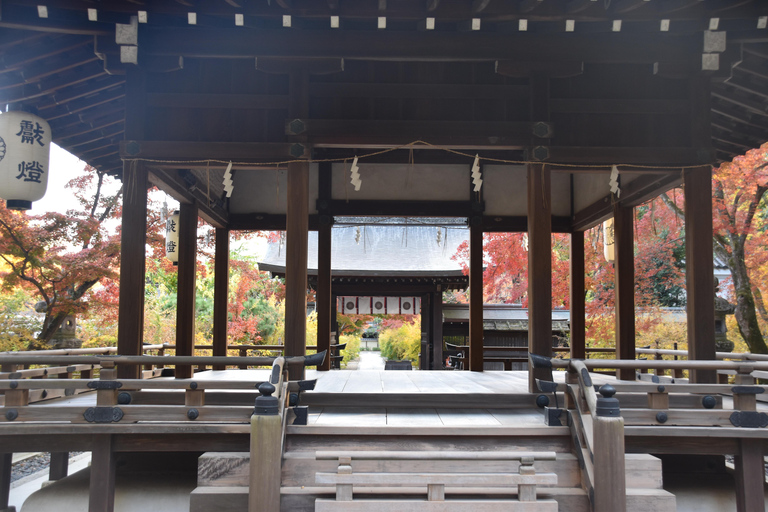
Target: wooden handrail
{"points": [[32, 358]]}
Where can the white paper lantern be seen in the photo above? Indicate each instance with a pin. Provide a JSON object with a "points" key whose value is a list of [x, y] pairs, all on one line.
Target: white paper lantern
{"points": [[609, 241], [25, 148], [172, 238]]}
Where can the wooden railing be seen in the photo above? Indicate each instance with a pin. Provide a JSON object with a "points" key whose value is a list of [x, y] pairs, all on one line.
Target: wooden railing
{"points": [[598, 424]]}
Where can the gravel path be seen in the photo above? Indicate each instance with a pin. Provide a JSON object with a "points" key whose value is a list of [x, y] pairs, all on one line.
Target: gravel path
{"points": [[34, 464]]}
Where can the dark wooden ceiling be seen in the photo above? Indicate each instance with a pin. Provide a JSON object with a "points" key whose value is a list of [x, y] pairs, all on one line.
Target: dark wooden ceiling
{"points": [[63, 62]]}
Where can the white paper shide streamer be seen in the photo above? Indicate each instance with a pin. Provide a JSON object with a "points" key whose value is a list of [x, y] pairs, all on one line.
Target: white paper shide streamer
{"points": [[477, 179], [614, 181], [355, 175], [228, 185]]}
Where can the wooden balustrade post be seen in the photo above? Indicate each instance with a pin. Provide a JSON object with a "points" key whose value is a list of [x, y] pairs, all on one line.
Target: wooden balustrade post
{"points": [[610, 488], [266, 453], [59, 466], [749, 473], [243, 352], [102, 481]]}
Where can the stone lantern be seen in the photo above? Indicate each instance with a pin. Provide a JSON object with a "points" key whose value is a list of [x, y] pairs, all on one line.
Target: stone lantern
{"points": [[722, 309]]}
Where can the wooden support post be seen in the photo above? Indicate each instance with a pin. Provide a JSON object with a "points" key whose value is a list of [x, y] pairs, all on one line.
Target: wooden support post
{"points": [[699, 269], [539, 269], [624, 277], [324, 273], [59, 466], [185, 303], [6, 464], [578, 301], [476, 294], [220, 295], [130, 322], [436, 304], [297, 230], [749, 473], [103, 468], [266, 455], [426, 332]]}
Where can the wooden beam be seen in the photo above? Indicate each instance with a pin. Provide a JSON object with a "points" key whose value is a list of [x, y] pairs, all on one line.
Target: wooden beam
{"points": [[385, 133], [130, 321], [577, 296], [476, 296], [171, 183], [519, 224], [414, 90], [220, 294], [632, 194], [315, 66], [185, 302], [603, 155], [699, 269], [624, 279], [458, 46], [622, 106], [194, 150], [539, 268], [400, 208], [218, 101]]}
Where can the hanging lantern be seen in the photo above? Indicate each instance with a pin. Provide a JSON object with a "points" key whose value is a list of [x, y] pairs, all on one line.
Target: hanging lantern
{"points": [[609, 241], [172, 238], [25, 147]]}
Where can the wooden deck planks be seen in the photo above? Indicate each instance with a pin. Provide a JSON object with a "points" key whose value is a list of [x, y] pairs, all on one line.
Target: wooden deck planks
{"points": [[349, 416], [413, 418], [467, 418]]}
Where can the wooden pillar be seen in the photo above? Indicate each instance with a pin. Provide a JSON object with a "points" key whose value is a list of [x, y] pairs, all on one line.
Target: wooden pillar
{"points": [[539, 268], [476, 294], [130, 321], [437, 329], [324, 272], [6, 464], [297, 230], [103, 467], [624, 279], [426, 331], [578, 325], [185, 301], [699, 270], [220, 294], [749, 474], [334, 320]]}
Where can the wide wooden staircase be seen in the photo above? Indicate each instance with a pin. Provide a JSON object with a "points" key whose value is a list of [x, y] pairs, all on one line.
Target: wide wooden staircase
{"points": [[223, 477]]}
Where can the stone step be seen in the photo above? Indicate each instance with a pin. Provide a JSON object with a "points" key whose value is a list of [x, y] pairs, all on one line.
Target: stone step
{"points": [[297, 499]]}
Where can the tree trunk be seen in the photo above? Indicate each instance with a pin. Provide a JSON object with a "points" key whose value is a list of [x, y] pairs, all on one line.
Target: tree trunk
{"points": [[746, 313]]}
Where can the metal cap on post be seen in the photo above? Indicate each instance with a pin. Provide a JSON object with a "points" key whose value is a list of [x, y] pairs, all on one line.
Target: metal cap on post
{"points": [[266, 404], [606, 404]]}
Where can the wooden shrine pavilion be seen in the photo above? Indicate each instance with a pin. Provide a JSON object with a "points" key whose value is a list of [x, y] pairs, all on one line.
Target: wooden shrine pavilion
{"points": [[536, 116], [302, 97]]}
